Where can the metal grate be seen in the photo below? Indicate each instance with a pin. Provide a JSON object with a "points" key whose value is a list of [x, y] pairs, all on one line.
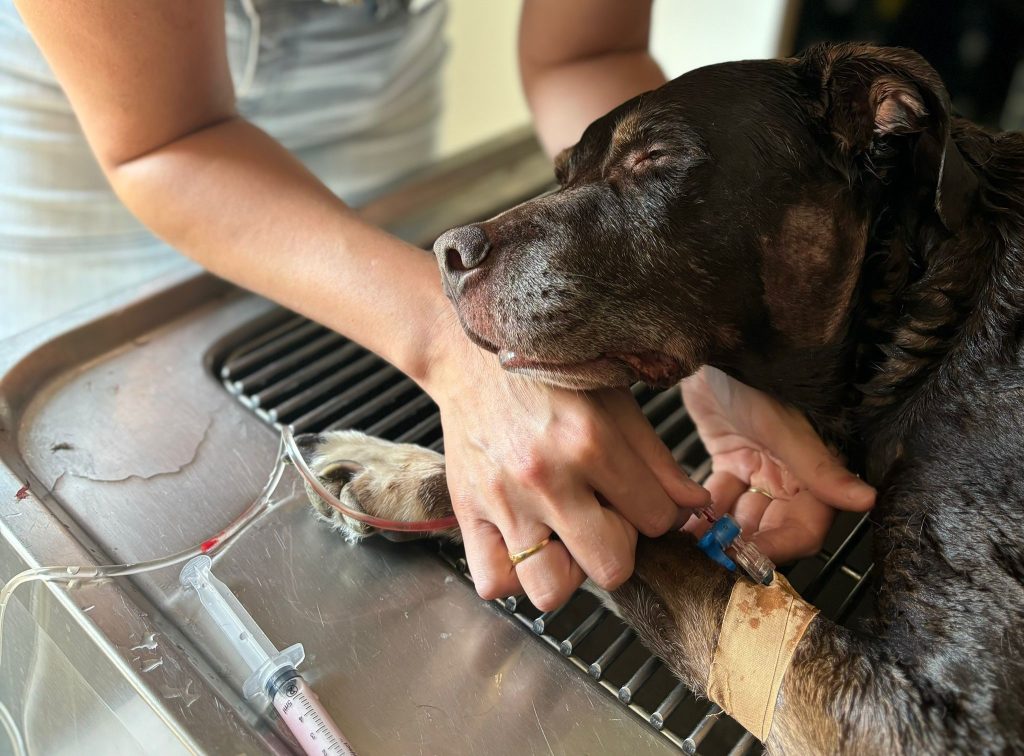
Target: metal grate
{"points": [[289, 370]]}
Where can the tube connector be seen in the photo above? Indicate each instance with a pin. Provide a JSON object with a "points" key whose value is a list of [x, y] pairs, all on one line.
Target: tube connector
{"points": [[724, 534], [718, 538]]}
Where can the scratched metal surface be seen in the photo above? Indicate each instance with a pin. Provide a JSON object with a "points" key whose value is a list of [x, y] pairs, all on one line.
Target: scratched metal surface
{"points": [[97, 669], [148, 455], [131, 450]]}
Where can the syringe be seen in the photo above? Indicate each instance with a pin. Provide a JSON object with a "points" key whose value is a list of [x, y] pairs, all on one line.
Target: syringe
{"points": [[272, 672]]}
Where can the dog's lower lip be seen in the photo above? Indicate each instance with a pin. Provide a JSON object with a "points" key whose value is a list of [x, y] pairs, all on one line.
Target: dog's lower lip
{"points": [[599, 372], [516, 363], [511, 360], [649, 366]]}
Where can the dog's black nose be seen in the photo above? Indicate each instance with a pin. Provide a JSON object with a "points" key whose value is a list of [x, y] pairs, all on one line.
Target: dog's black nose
{"points": [[460, 250]]}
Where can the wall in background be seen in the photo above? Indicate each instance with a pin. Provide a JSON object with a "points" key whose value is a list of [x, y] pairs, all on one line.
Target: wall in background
{"points": [[483, 98]]}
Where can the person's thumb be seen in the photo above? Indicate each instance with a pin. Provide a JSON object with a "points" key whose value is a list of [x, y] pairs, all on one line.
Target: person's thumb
{"points": [[796, 445]]}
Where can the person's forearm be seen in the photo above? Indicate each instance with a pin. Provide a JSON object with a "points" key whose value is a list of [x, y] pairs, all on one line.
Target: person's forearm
{"points": [[237, 202], [566, 97]]}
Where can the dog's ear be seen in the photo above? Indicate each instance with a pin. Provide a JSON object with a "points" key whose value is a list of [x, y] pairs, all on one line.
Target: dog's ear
{"points": [[874, 94], [561, 164]]}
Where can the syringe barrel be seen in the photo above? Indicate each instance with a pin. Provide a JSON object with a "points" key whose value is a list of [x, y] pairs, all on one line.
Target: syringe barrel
{"points": [[306, 718], [261, 658], [239, 628], [271, 672]]}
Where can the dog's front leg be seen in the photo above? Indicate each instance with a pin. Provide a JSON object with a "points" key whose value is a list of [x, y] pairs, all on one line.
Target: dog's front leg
{"points": [[838, 695]]}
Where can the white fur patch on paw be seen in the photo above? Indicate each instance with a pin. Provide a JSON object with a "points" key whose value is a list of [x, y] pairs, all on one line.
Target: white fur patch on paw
{"points": [[386, 485]]}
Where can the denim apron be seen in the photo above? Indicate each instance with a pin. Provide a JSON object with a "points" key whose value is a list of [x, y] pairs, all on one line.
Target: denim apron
{"points": [[352, 88]]}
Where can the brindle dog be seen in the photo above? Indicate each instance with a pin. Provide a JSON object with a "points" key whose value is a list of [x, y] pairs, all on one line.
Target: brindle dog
{"points": [[824, 229]]}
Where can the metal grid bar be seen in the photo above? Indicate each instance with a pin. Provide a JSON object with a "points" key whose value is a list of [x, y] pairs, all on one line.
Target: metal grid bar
{"points": [[317, 392], [643, 673], [582, 630], [284, 367], [325, 414], [294, 371], [317, 369], [697, 735], [268, 352], [386, 426], [247, 353], [380, 400], [667, 706], [427, 428], [610, 654], [743, 745]]}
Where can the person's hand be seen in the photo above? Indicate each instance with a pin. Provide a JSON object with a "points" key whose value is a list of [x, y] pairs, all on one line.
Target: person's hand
{"points": [[525, 460], [757, 442]]}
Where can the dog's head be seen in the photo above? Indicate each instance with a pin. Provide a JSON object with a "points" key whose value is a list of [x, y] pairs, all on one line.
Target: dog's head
{"points": [[723, 214]]}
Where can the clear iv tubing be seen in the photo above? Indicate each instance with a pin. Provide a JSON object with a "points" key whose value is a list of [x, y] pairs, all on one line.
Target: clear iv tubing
{"points": [[70, 574], [407, 526], [287, 450]]}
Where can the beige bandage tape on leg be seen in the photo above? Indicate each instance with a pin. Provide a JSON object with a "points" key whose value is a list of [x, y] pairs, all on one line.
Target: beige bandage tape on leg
{"points": [[762, 627]]}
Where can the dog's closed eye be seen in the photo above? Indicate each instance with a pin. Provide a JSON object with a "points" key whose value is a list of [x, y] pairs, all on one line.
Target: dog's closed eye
{"points": [[647, 158], [659, 158]]}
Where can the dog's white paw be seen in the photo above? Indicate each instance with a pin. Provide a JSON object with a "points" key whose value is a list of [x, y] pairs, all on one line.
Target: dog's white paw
{"points": [[384, 479]]}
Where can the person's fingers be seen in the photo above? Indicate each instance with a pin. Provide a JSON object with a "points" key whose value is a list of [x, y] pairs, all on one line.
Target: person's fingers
{"points": [[724, 488], [487, 557], [797, 446], [794, 528], [788, 436], [550, 576], [600, 540], [750, 508], [649, 447], [786, 543], [627, 484], [704, 407]]}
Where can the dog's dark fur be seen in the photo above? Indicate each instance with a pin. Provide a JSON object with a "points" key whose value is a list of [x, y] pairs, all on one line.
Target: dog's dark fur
{"points": [[824, 229]]}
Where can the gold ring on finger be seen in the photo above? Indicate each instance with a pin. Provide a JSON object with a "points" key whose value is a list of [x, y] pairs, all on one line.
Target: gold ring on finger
{"points": [[762, 491], [521, 556]]}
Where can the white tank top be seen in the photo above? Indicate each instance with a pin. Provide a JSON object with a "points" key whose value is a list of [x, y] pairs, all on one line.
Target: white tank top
{"points": [[352, 88]]}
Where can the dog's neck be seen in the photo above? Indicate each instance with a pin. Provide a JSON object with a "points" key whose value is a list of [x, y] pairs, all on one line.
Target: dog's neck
{"points": [[938, 309], [932, 307]]}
